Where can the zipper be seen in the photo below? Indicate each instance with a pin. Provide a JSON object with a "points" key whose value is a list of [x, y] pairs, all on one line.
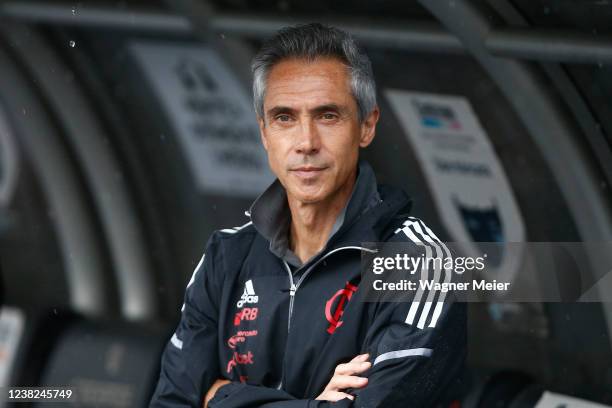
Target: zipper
{"points": [[295, 286], [292, 291]]}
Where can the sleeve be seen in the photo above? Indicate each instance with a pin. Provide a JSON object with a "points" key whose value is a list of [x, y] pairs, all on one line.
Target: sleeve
{"points": [[189, 363], [413, 367], [417, 347]]}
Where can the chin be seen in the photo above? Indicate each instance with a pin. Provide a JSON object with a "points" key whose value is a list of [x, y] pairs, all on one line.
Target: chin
{"points": [[309, 196]]}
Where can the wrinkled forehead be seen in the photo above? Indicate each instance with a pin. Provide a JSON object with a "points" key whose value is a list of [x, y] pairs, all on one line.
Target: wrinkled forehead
{"points": [[303, 83]]}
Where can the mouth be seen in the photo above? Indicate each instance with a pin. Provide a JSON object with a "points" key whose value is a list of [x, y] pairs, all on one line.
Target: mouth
{"points": [[307, 171], [309, 168]]}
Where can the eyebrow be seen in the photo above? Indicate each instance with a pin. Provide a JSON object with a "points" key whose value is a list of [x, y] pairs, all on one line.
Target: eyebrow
{"points": [[316, 110], [329, 107], [278, 110]]}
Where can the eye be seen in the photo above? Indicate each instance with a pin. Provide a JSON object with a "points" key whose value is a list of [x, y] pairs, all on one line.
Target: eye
{"points": [[329, 116], [283, 118]]}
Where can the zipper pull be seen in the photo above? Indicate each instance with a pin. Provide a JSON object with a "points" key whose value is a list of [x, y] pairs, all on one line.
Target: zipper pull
{"points": [[292, 290]]}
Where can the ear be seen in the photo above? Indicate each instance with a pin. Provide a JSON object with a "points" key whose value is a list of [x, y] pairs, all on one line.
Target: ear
{"points": [[368, 128], [262, 132]]}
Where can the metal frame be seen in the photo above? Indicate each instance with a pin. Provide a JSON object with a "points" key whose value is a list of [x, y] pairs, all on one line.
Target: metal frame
{"points": [[567, 89], [420, 35], [517, 43], [97, 162], [91, 81], [413, 35], [544, 116], [78, 237], [68, 14], [550, 45]]}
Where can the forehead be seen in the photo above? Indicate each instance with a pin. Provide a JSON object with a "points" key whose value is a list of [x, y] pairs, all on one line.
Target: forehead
{"points": [[297, 82]]}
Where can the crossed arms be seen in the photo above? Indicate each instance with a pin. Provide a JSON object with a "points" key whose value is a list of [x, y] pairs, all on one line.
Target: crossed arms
{"points": [[345, 377], [409, 365]]}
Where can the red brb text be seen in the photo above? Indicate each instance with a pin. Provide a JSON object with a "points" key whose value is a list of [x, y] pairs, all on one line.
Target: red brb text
{"points": [[247, 313]]}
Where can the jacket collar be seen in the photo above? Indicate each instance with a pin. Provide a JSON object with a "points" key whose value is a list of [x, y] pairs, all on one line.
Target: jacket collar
{"points": [[271, 215]]}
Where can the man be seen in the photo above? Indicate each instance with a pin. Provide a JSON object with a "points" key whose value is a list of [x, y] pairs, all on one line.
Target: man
{"points": [[273, 314]]}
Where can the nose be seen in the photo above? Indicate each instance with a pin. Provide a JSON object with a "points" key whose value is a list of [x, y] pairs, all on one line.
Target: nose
{"points": [[309, 141]]}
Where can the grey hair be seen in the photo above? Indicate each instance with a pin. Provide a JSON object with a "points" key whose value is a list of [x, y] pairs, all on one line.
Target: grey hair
{"points": [[311, 41]]}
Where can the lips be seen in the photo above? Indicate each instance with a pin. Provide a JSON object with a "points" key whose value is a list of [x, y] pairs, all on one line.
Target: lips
{"points": [[308, 168], [307, 171]]}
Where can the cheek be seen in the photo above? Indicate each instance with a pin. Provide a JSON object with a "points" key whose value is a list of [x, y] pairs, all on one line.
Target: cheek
{"points": [[340, 141], [276, 152]]}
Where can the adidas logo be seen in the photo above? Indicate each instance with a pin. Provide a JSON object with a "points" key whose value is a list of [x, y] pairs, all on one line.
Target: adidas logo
{"points": [[248, 296]]}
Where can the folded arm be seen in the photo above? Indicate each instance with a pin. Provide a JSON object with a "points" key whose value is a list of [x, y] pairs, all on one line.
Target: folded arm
{"points": [[410, 366]]}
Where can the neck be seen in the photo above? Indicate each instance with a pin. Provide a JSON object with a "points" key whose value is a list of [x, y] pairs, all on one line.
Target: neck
{"points": [[312, 223]]}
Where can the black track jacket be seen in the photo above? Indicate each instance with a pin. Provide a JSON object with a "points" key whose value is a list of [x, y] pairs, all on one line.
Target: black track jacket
{"points": [[278, 333]]}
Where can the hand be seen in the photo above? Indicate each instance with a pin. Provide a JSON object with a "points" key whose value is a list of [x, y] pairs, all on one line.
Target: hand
{"points": [[344, 378], [213, 389]]}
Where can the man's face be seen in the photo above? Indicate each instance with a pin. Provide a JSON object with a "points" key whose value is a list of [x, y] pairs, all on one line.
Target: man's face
{"points": [[311, 129]]}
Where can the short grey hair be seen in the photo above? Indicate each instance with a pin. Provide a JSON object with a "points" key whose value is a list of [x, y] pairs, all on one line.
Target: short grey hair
{"points": [[309, 42]]}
